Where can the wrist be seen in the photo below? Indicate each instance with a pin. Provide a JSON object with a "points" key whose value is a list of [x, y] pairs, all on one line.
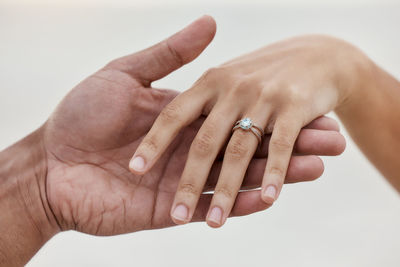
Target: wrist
{"points": [[26, 221], [355, 70]]}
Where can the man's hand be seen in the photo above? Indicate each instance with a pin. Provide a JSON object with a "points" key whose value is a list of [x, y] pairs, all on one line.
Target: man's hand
{"points": [[79, 176], [91, 135]]}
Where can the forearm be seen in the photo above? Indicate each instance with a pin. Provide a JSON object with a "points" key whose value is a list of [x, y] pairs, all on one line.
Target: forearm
{"points": [[371, 114], [26, 221]]}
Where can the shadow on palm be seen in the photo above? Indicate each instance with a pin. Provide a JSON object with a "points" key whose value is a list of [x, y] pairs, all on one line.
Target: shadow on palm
{"points": [[91, 138]]}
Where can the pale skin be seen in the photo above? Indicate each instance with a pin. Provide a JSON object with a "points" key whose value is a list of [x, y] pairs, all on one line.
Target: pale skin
{"points": [[72, 173], [281, 87]]}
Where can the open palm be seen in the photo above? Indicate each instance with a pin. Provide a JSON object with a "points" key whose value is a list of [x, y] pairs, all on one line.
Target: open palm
{"points": [[90, 139], [96, 128], [93, 133]]}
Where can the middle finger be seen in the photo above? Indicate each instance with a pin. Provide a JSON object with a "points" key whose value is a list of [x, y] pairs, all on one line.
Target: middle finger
{"points": [[238, 154], [203, 151]]}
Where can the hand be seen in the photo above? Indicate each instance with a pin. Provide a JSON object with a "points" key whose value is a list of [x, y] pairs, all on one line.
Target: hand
{"points": [[72, 173], [90, 136], [281, 87]]}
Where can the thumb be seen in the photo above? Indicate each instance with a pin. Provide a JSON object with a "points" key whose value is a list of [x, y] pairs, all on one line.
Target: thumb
{"points": [[163, 58]]}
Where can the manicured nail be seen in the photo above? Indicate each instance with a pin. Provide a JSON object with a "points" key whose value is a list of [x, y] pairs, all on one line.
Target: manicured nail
{"points": [[270, 193], [215, 216], [137, 164], [181, 213]]}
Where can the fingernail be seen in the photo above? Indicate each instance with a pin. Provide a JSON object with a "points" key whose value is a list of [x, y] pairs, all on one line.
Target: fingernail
{"points": [[180, 213], [137, 164], [270, 193], [215, 216]]}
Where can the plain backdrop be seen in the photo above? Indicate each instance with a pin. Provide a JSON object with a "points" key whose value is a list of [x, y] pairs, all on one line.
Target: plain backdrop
{"points": [[349, 217]]}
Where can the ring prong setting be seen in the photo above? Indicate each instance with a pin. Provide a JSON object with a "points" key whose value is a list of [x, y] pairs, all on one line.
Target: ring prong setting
{"points": [[246, 123]]}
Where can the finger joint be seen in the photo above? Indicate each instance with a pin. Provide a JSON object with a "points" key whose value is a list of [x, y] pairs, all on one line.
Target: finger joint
{"points": [[277, 171], [150, 143], [281, 143], [188, 188], [203, 145], [225, 191], [170, 114], [238, 148]]}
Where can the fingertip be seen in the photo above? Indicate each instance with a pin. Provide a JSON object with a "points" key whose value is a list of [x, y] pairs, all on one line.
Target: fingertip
{"points": [[178, 221], [194, 38], [337, 143], [340, 145], [213, 224], [248, 202], [320, 142], [212, 23], [332, 124], [335, 125], [180, 214], [304, 169], [137, 165], [267, 200], [324, 123], [214, 218], [269, 194], [319, 169]]}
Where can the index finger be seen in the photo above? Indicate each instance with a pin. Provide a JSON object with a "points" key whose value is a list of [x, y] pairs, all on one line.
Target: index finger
{"points": [[183, 110]]}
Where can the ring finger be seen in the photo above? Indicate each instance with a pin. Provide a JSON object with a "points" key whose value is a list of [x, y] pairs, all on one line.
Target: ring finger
{"points": [[203, 151], [237, 157]]}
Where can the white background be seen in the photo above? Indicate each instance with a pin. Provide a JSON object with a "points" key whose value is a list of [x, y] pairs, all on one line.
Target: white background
{"points": [[349, 217]]}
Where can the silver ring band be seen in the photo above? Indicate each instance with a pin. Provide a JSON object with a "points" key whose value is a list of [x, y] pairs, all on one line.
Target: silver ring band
{"points": [[248, 125]]}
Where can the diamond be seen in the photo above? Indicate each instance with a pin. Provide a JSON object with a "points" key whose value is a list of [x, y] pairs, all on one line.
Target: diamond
{"points": [[246, 123]]}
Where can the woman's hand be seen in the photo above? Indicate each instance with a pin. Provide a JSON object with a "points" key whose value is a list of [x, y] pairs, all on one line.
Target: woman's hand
{"points": [[281, 87]]}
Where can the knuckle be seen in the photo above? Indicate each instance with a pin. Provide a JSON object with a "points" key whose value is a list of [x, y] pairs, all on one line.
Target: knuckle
{"points": [[213, 75], [114, 64], [284, 92], [296, 95], [281, 143], [278, 171], [215, 72], [150, 143], [243, 86], [170, 114], [188, 188], [203, 144], [238, 148], [174, 54], [266, 96], [271, 91], [225, 191]]}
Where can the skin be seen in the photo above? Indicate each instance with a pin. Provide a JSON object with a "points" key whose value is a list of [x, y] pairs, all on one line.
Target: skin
{"points": [[281, 87], [72, 173], [371, 114]]}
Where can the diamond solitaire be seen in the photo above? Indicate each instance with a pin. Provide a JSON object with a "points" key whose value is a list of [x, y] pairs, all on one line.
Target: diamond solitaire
{"points": [[246, 123]]}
